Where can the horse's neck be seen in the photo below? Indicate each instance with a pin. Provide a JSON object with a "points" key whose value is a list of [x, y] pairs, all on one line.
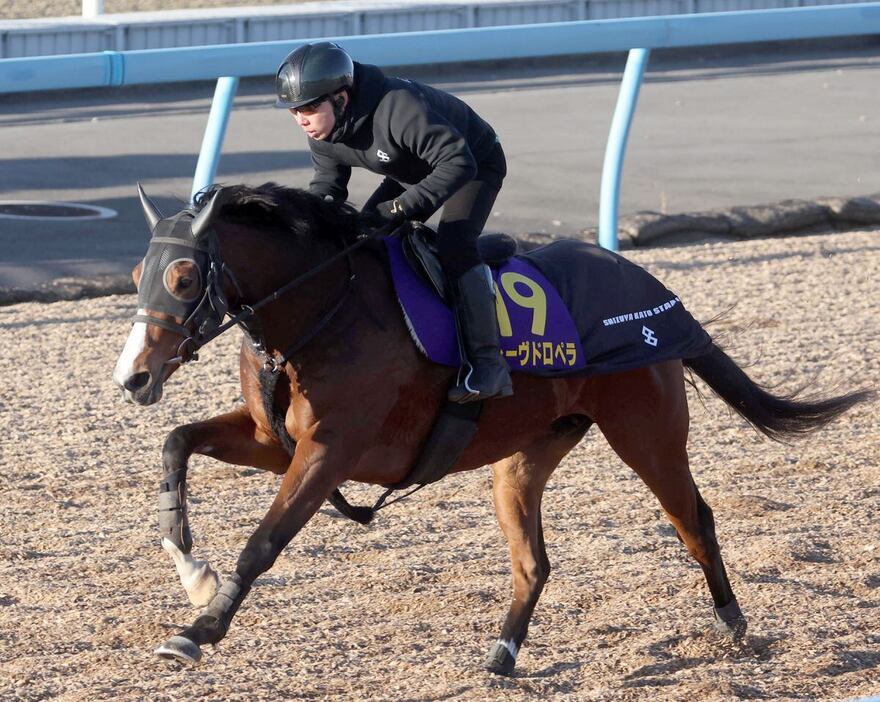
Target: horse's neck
{"points": [[260, 262], [361, 292], [264, 264], [366, 340]]}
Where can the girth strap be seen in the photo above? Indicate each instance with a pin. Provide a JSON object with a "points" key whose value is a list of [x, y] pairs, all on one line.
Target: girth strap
{"points": [[451, 434]]}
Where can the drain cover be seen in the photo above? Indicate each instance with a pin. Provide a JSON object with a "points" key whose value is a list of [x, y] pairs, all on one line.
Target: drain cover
{"points": [[52, 211]]}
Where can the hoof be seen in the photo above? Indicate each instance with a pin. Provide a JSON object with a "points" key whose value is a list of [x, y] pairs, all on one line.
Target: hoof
{"points": [[729, 620], [181, 649], [500, 660]]}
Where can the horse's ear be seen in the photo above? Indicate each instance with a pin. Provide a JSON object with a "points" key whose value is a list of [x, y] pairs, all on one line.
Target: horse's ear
{"points": [[151, 212], [202, 220]]}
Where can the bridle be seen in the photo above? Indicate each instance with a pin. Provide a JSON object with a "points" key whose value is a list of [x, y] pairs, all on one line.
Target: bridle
{"points": [[205, 322]]}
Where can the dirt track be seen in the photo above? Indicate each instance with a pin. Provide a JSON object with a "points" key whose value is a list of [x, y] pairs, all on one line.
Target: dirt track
{"points": [[405, 609]]}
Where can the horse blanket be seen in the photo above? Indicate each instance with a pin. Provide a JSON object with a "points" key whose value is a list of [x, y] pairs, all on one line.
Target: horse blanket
{"points": [[567, 308]]}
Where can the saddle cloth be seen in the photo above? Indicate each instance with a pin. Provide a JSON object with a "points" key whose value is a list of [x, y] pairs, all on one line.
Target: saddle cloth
{"points": [[567, 308]]}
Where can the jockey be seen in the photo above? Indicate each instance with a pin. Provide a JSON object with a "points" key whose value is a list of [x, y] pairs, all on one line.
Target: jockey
{"points": [[433, 151]]}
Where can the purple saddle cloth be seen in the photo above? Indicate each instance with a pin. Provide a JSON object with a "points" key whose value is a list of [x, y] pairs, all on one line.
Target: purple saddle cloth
{"points": [[567, 308]]}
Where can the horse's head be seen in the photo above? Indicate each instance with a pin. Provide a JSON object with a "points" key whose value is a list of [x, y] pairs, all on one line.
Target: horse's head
{"points": [[179, 300], [185, 288]]}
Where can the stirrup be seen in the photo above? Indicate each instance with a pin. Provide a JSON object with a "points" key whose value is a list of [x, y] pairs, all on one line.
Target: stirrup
{"points": [[462, 392]]}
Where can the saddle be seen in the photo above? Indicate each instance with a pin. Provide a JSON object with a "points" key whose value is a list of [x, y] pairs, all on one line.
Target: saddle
{"points": [[420, 248]]}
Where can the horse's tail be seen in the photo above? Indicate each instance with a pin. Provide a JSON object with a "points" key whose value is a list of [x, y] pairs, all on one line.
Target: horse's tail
{"points": [[779, 417]]}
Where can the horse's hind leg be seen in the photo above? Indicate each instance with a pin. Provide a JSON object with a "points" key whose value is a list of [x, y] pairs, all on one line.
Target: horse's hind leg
{"points": [[231, 438], [518, 483], [728, 616], [646, 422]]}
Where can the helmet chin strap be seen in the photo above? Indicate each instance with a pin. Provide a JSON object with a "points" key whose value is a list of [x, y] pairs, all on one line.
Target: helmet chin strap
{"points": [[339, 104]]}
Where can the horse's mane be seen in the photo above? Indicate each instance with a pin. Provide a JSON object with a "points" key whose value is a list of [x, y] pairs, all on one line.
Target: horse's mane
{"points": [[284, 211]]}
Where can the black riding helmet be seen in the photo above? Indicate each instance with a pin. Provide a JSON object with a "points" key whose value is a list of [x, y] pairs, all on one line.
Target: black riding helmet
{"points": [[311, 72]]}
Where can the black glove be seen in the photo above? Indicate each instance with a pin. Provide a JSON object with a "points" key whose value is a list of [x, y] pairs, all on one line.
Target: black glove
{"points": [[391, 212]]}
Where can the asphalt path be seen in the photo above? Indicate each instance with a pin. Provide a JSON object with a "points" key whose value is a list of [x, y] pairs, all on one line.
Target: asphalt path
{"points": [[742, 126]]}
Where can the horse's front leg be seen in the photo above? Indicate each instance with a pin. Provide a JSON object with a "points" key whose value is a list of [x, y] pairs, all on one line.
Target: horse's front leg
{"points": [[316, 470], [231, 438]]}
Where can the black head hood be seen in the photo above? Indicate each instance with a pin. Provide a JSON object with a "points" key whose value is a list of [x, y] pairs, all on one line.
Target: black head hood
{"points": [[364, 96], [172, 242]]}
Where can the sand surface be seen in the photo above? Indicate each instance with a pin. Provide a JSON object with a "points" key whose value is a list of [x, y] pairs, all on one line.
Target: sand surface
{"points": [[406, 608]]}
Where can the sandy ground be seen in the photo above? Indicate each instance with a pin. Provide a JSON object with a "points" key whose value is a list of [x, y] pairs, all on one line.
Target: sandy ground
{"points": [[406, 608]]}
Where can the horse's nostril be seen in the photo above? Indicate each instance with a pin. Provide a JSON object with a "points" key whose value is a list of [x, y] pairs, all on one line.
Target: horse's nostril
{"points": [[137, 381]]}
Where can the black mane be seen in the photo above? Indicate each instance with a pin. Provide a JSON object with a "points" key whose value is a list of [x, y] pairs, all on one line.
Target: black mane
{"points": [[286, 211]]}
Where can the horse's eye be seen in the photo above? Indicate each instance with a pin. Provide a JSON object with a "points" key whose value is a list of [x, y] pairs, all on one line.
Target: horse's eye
{"points": [[182, 279]]}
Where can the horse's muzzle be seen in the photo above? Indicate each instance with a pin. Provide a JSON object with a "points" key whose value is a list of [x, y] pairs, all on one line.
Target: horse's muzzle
{"points": [[137, 382], [141, 389]]}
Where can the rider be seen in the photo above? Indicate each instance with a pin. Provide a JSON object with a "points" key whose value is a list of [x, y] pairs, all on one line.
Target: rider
{"points": [[433, 151]]}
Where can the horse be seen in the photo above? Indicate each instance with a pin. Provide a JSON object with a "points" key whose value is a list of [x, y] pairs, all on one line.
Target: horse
{"points": [[335, 390]]}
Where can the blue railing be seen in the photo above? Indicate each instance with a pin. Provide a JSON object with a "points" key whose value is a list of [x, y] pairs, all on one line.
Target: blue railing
{"points": [[230, 62]]}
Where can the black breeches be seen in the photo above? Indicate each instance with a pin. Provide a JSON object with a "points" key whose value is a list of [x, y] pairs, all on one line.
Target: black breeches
{"points": [[465, 213]]}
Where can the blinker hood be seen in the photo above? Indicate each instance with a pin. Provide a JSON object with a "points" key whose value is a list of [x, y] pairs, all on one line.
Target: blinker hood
{"points": [[172, 242]]}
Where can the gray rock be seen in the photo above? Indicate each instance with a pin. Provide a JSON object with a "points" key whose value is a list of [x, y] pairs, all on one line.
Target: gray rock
{"points": [[645, 228], [853, 210], [69, 289], [785, 216]]}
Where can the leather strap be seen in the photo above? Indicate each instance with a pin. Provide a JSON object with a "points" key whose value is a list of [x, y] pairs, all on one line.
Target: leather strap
{"points": [[164, 323]]}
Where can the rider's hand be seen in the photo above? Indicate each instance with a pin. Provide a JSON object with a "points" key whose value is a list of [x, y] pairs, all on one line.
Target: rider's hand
{"points": [[391, 212]]}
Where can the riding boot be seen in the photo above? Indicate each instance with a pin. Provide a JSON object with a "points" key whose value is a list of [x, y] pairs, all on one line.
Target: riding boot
{"points": [[485, 373]]}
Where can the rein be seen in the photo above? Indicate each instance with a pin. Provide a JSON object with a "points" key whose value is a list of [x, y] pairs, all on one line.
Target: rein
{"points": [[189, 347]]}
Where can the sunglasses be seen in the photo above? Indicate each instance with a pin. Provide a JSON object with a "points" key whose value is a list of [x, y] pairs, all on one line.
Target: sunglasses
{"points": [[309, 108]]}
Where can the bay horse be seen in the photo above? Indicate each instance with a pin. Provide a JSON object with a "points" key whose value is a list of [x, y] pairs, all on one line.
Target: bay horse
{"points": [[335, 390]]}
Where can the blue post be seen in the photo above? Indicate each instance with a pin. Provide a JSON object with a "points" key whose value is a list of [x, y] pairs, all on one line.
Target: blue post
{"points": [[212, 143], [609, 198]]}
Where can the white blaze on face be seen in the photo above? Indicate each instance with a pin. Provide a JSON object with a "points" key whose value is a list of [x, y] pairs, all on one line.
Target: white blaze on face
{"points": [[135, 345]]}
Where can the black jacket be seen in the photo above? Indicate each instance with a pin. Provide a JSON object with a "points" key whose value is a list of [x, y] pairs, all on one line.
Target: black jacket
{"points": [[408, 132]]}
